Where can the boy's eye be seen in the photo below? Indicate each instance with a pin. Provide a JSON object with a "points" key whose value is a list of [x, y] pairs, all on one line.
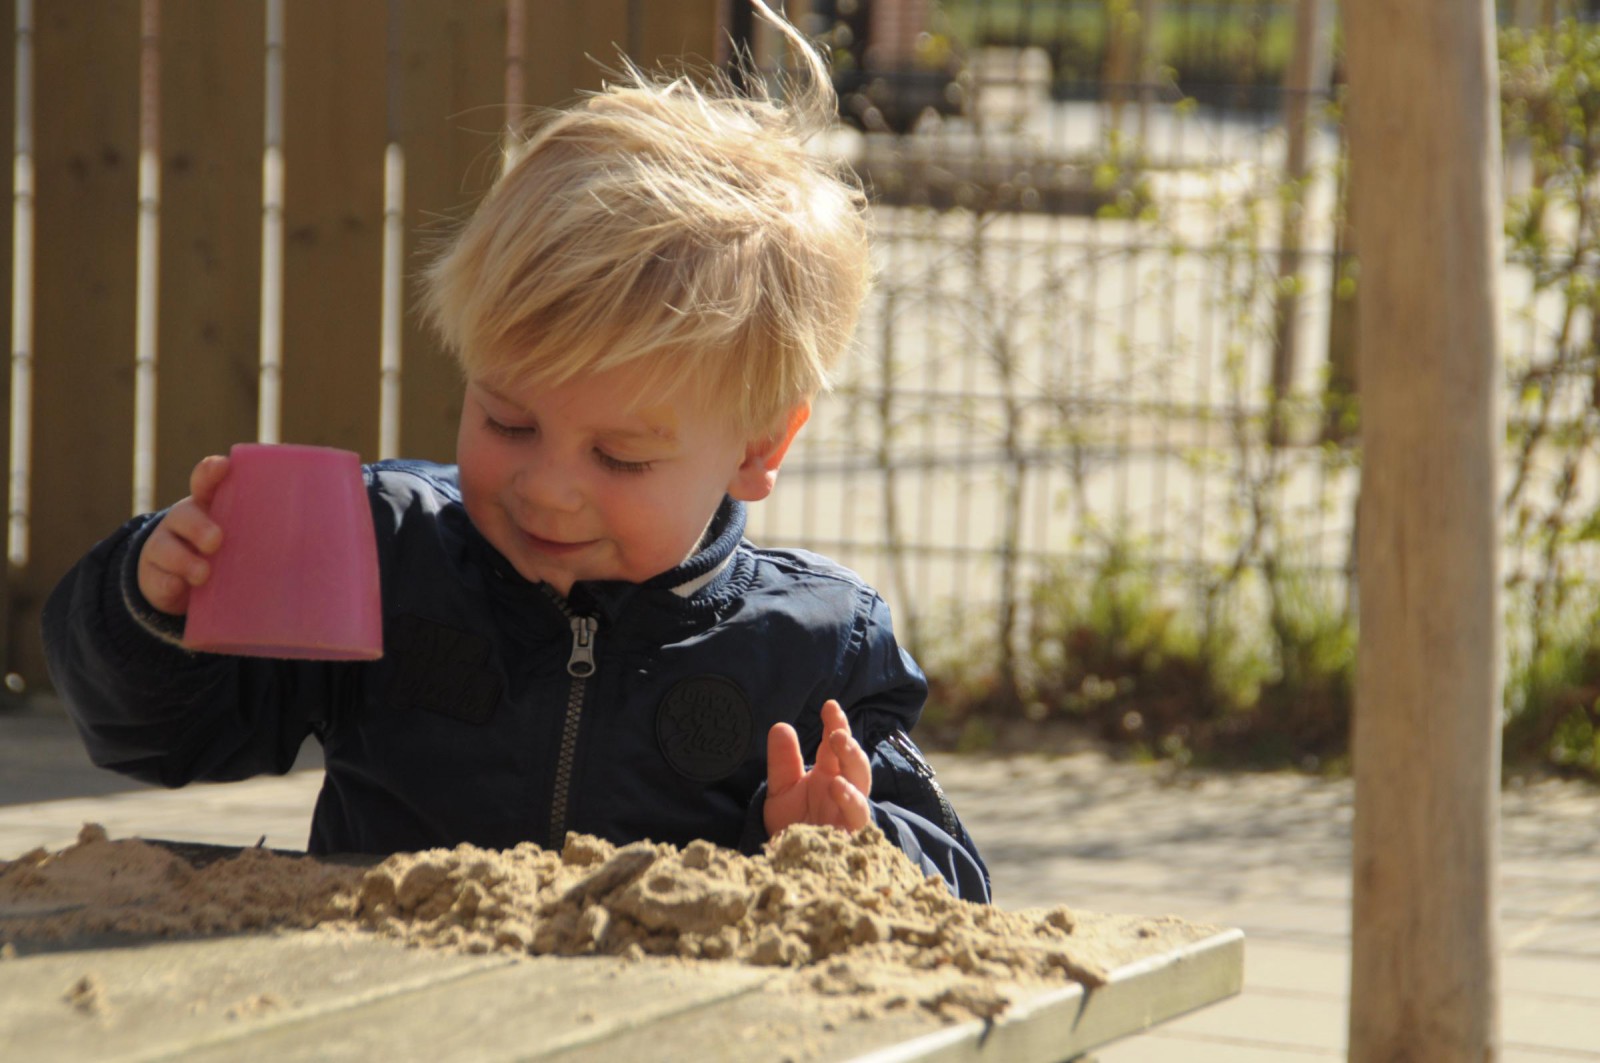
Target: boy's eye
{"points": [[510, 431], [618, 465]]}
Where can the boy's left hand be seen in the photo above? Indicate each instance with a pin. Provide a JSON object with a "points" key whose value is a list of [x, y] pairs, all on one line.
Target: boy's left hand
{"points": [[833, 793]]}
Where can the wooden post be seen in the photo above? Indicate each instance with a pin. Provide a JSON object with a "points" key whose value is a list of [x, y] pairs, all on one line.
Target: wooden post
{"points": [[1306, 79], [1149, 69], [1343, 385], [1118, 70], [1425, 155]]}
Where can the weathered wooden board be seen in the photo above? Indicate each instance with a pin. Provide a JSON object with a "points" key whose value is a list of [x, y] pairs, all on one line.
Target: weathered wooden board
{"points": [[157, 999], [1053, 1025], [522, 1011], [315, 996]]}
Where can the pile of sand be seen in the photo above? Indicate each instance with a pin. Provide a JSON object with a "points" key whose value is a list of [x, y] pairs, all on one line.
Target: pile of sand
{"points": [[100, 886], [850, 914]]}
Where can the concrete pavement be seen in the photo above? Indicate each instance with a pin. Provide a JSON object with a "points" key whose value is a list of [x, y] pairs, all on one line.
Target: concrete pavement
{"points": [[1269, 853]]}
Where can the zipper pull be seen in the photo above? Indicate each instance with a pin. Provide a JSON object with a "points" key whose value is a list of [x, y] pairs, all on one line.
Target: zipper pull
{"points": [[581, 662], [903, 745]]}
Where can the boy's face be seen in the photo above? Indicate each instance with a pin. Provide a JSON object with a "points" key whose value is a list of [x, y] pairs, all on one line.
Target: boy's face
{"points": [[570, 483]]}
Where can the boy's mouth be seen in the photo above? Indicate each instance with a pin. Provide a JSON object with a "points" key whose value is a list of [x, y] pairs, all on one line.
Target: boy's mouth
{"points": [[555, 546]]}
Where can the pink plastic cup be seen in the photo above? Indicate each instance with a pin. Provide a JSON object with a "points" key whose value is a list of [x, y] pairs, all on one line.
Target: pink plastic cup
{"points": [[297, 573]]}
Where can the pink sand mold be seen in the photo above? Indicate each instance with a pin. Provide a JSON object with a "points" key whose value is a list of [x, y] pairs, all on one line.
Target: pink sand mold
{"points": [[297, 573]]}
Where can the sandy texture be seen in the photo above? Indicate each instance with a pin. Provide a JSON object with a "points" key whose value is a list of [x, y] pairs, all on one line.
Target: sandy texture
{"points": [[100, 886], [849, 916]]}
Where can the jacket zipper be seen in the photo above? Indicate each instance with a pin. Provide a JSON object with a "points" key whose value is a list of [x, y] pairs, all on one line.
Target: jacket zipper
{"points": [[924, 770], [580, 666]]}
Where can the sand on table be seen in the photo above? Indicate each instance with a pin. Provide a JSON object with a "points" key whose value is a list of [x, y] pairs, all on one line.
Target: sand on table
{"points": [[846, 914]]}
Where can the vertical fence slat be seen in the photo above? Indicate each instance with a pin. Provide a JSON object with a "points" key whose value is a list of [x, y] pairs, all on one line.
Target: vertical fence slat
{"points": [[516, 94], [9, 83], [269, 417], [21, 305], [148, 265], [394, 219]]}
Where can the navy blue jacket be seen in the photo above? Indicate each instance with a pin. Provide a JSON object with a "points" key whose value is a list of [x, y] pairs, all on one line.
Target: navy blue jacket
{"points": [[500, 712]]}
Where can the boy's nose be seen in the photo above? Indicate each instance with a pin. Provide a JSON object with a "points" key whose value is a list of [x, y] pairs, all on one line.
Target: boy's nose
{"points": [[547, 485]]}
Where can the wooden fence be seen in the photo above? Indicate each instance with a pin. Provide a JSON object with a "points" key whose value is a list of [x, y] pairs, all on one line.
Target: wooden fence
{"points": [[431, 76]]}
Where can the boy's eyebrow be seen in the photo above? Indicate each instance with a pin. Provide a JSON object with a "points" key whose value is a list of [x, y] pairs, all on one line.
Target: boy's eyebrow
{"points": [[498, 396], [660, 426], [653, 434], [661, 429]]}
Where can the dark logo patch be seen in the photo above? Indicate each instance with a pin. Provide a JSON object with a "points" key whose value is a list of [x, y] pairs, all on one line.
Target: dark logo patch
{"points": [[440, 669], [703, 726]]}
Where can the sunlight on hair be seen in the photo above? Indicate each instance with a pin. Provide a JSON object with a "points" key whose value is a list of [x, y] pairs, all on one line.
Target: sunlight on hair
{"points": [[671, 221]]}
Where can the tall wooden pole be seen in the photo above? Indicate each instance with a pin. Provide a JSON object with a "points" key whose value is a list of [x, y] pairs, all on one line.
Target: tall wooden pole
{"points": [[1310, 64], [1425, 201]]}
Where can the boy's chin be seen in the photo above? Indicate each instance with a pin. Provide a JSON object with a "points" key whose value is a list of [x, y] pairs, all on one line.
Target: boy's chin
{"points": [[560, 582]]}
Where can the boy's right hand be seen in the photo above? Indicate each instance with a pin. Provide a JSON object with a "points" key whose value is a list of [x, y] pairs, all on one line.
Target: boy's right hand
{"points": [[173, 561]]}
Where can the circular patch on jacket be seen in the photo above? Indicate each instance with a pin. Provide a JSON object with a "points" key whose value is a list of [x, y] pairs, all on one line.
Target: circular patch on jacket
{"points": [[703, 726]]}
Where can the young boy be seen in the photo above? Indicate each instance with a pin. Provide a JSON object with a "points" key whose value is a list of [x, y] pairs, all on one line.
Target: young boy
{"points": [[577, 636]]}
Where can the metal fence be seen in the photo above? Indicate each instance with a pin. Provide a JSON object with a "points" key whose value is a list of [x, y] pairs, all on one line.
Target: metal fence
{"points": [[1103, 314]]}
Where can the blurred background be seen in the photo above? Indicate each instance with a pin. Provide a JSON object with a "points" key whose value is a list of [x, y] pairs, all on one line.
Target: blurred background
{"points": [[1099, 445]]}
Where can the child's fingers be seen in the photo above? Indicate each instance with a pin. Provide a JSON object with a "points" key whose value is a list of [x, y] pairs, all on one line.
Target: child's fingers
{"points": [[192, 526], [833, 721], [854, 765], [786, 765], [833, 717], [168, 552], [206, 477], [787, 798], [854, 811], [168, 568], [163, 590]]}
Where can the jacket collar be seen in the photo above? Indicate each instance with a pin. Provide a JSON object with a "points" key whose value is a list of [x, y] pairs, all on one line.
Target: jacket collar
{"points": [[706, 576], [711, 557]]}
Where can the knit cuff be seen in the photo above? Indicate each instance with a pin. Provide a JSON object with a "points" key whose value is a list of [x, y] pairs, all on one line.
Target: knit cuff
{"points": [[150, 621]]}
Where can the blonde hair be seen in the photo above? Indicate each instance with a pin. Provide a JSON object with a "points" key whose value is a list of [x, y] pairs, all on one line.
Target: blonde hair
{"points": [[666, 221]]}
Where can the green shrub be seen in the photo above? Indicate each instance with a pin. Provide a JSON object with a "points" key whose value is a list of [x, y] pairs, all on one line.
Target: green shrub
{"points": [[1553, 696], [1263, 680]]}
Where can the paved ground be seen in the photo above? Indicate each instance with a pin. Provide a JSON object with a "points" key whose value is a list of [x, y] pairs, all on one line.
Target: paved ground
{"points": [[1268, 853]]}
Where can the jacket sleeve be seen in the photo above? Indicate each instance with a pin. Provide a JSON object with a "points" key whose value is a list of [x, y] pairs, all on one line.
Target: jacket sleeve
{"points": [[911, 809], [147, 707], [883, 693]]}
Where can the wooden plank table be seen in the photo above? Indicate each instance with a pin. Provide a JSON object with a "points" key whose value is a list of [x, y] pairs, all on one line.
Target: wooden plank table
{"points": [[319, 996]]}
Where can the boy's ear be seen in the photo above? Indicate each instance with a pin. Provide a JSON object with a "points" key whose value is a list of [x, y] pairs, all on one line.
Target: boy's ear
{"points": [[759, 471]]}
